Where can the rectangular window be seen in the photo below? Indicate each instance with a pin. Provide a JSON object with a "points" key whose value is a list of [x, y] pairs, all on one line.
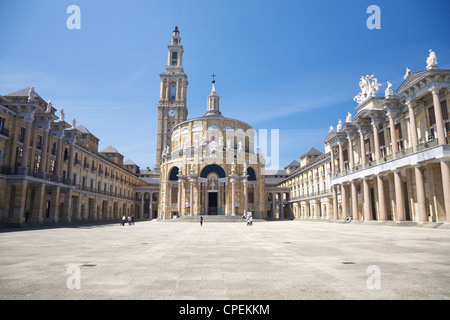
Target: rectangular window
{"points": [[398, 136], [174, 58], [54, 148], [431, 116], [174, 194], [251, 195], [3, 130], [22, 134], [39, 142], [37, 162], [367, 150], [52, 167], [19, 152]]}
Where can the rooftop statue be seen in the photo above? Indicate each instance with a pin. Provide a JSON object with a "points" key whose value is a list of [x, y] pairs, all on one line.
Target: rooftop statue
{"points": [[62, 115], [349, 117], [49, 106], [388, 92], [339, 126], [31, 95], [407, 74], [369, 87], [431, 60]]}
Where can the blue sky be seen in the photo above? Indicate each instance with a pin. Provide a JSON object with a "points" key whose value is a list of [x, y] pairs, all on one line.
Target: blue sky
{"points": [[287, 65]]}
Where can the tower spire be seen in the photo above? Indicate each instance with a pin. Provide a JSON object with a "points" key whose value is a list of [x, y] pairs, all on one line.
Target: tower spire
{"points": [[172, 106], [213, 101]]}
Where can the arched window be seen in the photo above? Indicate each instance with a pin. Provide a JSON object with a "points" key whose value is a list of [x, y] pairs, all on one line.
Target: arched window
{"points": [[212, 168], [174, 174], [251, 174], [172, 92]]}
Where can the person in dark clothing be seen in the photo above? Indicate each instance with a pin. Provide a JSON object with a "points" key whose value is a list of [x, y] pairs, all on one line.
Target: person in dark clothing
{"points": [[27, 215], [201, 221]]}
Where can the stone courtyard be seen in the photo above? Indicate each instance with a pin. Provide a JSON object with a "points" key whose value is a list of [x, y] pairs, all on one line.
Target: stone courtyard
{"points": [[278, 260]]}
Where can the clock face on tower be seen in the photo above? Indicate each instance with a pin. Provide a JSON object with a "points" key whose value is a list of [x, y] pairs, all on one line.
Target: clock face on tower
{"points": [[171, 113]]}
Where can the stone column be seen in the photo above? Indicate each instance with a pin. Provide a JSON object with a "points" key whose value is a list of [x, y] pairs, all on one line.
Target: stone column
{"points": [[57, 173], [341, 158], [354, 195], [43, 165], [233, 209], [178, 90], [66, 215], [219, 198], [281, 206], [273, 205], [335, 203], [393, 140], [19, 202], [141, 216], [205, 197], [71, 160], [344, 201], [150, 205], [26, 146], [367, 204], [439, 117], [412, 126], [191, 197], [445, 171], [37, 212], [77, 208], [54, 204], [180, 184], [421, 197], [376, 141], [351, 163], [161, 91], [333, 169], [382, 216], [399, 198], [363, 153], [245, 195]]}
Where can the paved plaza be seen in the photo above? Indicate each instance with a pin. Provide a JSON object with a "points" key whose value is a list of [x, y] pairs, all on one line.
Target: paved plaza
{"points": [[280, 260]]}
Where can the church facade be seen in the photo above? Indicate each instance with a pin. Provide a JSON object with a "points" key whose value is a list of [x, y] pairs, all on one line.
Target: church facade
{"points": [[208, 165]]}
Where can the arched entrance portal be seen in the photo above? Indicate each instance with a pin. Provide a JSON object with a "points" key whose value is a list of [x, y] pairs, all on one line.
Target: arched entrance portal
{"points": [[213, 189], [212, 193]]}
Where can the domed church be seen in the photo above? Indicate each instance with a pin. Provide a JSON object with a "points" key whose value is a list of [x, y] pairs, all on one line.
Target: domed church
{"points": [[207, 165]]}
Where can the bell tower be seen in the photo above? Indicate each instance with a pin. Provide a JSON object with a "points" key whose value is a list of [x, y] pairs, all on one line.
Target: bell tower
{"points": [[172, 106]]}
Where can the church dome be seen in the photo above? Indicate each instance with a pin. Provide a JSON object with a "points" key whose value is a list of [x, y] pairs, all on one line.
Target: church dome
{"points": [[211, 135]]}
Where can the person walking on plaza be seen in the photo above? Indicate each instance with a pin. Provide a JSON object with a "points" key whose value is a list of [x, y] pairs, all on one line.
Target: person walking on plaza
{"points": [[27, 215], [201, 221], [132, 220], [129, 220], [123, 220]]}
